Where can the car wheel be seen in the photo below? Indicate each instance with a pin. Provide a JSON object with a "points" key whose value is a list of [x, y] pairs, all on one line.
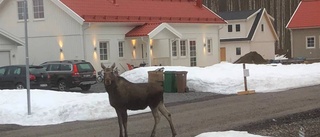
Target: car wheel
{"points": [[62, 85], [20, 86], [85, 87]]}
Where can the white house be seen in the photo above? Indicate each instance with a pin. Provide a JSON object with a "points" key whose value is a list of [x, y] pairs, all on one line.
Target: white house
{"points": [[8, 48], [175, 32], [247, 31]]}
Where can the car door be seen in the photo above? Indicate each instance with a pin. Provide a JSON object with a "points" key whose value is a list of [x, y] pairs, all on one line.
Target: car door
{"points": [[13, 76], [2, 74], [52, 70]]}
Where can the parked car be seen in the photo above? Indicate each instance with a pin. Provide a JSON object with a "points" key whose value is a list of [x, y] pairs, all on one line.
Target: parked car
{"points": [[14, 77], [71, 73]]}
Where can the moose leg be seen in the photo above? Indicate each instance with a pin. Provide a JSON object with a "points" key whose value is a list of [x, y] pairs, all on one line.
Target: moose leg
{"points": [[120, 121], [156, 116], [167, 114], [124, 115]]}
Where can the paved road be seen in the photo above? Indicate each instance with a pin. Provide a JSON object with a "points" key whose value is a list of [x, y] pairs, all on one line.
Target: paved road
{"points": [[210, 113]]}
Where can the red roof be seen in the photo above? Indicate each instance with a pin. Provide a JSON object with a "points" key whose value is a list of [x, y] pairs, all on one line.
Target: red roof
{"points": [[306, 15], [142, 30], [170, 11]]}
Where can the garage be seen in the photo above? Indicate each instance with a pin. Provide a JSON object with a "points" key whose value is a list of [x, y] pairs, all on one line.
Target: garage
{"points": [[5, 58]]}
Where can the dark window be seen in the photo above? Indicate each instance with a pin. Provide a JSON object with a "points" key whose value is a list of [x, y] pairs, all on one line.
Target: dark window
{"points": [[238, 51], [310, 42], [21, 10], [85, 67], [121, 43], [174, 48], [237, 27], [2, 71], [229, 28], [65, 67], [54, 67], [104, 50], [38, 9]]}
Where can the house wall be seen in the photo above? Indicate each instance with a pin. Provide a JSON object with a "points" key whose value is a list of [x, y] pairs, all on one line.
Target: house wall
{"points": [[46, 35], [245, 26], [231, 55], [299, 44], [8, 51], [264, 41], [199, 33]]}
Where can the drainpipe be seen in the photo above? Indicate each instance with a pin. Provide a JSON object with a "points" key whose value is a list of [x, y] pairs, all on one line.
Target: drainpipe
{"points": [[84, 41], [220, 27]]}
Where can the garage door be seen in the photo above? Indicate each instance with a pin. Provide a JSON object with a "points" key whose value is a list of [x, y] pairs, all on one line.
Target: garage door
{"points": [[4, 58]]}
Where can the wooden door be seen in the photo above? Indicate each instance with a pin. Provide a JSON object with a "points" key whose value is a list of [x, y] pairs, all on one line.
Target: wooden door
{"points": [[223, 54]]}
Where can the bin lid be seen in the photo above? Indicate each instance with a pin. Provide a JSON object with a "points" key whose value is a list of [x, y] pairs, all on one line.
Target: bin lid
{"points": [[181, 72], [169, 72]]}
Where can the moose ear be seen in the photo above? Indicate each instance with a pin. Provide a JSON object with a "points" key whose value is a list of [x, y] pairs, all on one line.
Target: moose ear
{"points": [[102, 66], [113, 65]]}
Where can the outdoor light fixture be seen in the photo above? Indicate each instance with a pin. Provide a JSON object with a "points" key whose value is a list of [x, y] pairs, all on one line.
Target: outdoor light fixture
{"points": [[151, 46], [204, 44], [95, 48], [134, 47], [61, 50]]}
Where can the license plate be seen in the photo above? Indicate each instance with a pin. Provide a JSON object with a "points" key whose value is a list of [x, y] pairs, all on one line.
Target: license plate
{"points": [[43, 85], [86, 76]]}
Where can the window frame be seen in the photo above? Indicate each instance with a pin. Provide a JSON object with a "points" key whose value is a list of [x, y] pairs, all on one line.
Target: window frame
{"points": [[307, 42], [238, 51], [21, 13], [174, 48], [229, 28], [238, 27], [121, 49], [183, 48], [39, 13], [209, 46], [104, 56]]}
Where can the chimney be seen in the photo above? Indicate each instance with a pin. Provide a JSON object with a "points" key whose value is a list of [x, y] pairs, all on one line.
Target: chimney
{"points": [[199, 3]]}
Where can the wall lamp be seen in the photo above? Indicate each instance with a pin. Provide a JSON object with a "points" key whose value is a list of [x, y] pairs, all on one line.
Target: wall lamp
{"points": [[95, 48], [61, 50], [204, 44], [134, 47], [151, 46]]}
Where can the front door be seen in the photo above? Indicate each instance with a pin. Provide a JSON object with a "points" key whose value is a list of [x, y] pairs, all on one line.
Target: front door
{"points": [[193, 53], [223, 54]]}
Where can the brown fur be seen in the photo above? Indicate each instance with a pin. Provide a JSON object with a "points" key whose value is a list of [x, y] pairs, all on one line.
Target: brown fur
{"points": [[125, 95]]}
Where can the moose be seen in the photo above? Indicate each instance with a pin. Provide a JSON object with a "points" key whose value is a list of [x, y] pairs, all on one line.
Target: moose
{"points": [[125, 95]]}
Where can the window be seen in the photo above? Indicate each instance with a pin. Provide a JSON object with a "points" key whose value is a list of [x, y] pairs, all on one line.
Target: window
{"points": [[262, 27], [193, 54], [38, 9], [209, 45], [229, 28], [2, 71], [104, 50], [311, 42], [21, 10], [183, 48], [120, 44], [54, 67], [174, 48], [238, 51], [237, 27]]}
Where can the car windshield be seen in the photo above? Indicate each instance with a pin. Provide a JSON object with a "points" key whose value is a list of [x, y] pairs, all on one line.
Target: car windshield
{"points": [[84, 67], [37, 70]]}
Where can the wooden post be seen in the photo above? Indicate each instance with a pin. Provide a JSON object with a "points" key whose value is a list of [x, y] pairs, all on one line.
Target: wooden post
{"points": [[245, 78], [245, 75]]}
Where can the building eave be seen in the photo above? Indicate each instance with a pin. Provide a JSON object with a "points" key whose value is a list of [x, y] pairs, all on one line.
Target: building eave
{"points": [[70, 12], [12, 37]]}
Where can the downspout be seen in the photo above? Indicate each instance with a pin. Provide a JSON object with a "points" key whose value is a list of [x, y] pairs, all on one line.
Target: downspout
{"points": [[219, 53], [83, 40]]}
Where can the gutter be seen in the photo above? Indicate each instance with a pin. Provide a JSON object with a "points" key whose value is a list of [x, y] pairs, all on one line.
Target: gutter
{"points": [[84, 41]]}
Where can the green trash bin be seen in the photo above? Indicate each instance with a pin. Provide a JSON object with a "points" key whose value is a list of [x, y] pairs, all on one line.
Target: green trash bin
{"points": [[169, 84]]}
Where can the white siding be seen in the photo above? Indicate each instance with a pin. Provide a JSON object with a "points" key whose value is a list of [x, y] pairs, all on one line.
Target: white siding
{"points": [[8, 50]]}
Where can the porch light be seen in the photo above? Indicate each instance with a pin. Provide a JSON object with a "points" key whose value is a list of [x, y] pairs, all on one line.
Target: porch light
{"points": [[61, 50], [204, 44], [95, 48], [151, 46], [134, 47]]}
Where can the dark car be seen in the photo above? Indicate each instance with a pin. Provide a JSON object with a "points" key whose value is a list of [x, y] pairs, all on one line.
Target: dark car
{"points": [[14, 77], [71, 73]]}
